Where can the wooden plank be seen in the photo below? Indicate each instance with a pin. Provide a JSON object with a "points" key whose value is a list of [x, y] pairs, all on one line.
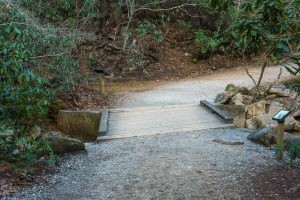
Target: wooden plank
{"points": [[227, 117], [153, 108], [103, 123]]}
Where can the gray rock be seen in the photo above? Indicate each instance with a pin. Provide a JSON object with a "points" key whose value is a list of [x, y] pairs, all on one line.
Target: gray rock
{"points": [[233, 110], [224, 97], [237, 99], [296, 115], [256, 109], [240, 99], [297, 126], [267, 121], [264, 136], [239, 121], [279, 92], [252, 124], [60, 144], [290, 139], [290, 124], [264, 121], [244, 91]]}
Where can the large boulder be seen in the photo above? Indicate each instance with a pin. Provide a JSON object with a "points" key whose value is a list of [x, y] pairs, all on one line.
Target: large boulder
{"points": [[256, 109], [291, 139], [267, 136], [244, 91], [279, 92], [264, 121], [233, 110], [224, 97], [264, 136], [240, 121], [297, 126], [290, 124], [296, 115], [82, 125], [61, 145], [267, 121], [240, 99], [253, 124]]}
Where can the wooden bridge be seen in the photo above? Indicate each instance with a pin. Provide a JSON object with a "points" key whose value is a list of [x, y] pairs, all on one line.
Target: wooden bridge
{"points": [[132, 122]]}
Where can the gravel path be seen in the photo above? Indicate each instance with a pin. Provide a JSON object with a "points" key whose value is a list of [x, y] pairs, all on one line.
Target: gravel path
{"points": [[172, 166], [190, 91]]}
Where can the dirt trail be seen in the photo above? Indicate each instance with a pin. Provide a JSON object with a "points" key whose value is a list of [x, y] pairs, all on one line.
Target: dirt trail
{"points": [[190, 91]]}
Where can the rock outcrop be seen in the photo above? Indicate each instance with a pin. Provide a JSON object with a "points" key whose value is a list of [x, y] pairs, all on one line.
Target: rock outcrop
{"points": [[61, 144]]}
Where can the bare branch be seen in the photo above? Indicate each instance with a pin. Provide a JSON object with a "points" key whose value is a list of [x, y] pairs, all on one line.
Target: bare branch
{"points": [[253, 80], [45, 56], [165, 9], [262, 72], [271, 85]]}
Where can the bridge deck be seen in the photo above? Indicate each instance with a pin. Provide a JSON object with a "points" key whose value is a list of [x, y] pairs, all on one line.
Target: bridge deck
{"points": [[124, 123]]}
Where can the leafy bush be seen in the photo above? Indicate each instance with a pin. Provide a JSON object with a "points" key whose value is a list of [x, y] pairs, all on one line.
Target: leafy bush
{"points": [[146, 31], [24, 95], [26, 148], [147, 28], [35, 63], [32, 67], [207, 44], [70, 11], [261, 26]]}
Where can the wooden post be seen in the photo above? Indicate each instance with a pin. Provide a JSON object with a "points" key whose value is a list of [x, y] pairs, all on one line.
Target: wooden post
{"points": [[102, 84], [279, 140]]}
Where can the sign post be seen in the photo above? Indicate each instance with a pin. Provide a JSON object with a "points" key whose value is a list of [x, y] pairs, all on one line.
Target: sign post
{"points": [[280, 118]]}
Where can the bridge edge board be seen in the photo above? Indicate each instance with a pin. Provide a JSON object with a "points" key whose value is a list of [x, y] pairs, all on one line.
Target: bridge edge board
{"points": [[103, 123], [214, 109]]}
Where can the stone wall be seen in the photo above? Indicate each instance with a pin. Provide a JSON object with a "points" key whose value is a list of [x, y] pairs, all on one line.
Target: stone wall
{"points": [[82, 125]]}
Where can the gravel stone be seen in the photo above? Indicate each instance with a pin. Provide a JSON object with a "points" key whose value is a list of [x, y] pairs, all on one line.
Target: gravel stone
{"points": [[185, 165]]}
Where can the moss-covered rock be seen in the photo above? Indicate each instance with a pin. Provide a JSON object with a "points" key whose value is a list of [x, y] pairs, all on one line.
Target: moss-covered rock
{"points": [[61, 145]]}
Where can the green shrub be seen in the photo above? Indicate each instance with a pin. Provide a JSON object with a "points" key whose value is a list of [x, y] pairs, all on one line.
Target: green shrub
{"points": [[24, 95], [26, 148], [68, 10], [147, 28], [35, 63], [257, 26], [206, 44]]}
